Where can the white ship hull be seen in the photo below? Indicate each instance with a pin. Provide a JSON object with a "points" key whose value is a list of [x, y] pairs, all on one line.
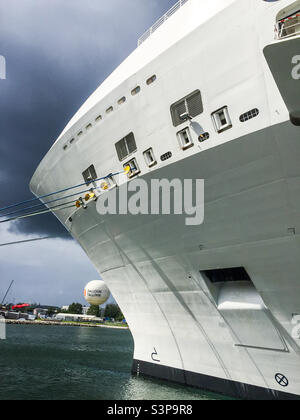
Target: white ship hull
{"points": [[234, 338]]}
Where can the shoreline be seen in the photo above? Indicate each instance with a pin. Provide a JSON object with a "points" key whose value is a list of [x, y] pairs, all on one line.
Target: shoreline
{"points": [[62, 324]]}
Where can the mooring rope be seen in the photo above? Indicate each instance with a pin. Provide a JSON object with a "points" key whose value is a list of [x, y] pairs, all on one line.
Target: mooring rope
{"points": [[48, 202], [29, 240], [59, 192], [58, 208]]}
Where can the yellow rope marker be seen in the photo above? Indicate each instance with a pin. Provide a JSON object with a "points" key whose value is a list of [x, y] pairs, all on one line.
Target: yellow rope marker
{"points": [[78, 204], [104, 186], [89, 195], [127, 169]]}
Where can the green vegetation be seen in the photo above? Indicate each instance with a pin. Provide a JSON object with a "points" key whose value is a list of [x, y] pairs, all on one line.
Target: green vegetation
{"points": [[52, 311], [94, 310], [113, 311], [115, 324], [75, 308]]}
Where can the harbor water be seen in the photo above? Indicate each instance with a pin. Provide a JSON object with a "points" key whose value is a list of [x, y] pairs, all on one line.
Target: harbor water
{"points": [[77, 363]]}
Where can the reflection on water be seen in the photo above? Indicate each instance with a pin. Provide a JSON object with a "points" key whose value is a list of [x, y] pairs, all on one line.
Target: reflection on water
{"points": [[144, 389], [42, 362]]}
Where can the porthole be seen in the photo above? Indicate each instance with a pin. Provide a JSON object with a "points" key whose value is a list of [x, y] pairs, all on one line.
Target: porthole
{"points": [[151, 80], [99, 118], [88, 127], [110, 109], [122, 100], [136, 91]]}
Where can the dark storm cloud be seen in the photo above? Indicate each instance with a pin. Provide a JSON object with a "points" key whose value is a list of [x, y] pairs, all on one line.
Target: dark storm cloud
{"points": [[57, 53]]}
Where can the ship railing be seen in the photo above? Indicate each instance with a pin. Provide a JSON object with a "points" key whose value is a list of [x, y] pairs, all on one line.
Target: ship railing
{"points": [[288, 27], [161, 21]]}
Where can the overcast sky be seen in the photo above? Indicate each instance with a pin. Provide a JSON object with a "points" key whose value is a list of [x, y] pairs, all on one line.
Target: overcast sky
{"points": [[57, 53]]}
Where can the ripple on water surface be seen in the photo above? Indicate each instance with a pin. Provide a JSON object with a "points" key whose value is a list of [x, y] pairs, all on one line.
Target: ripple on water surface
{"points": [[48, 362]]}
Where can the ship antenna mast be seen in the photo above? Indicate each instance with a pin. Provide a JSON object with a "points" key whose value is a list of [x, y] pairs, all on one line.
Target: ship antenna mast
{"points": [[7, 292]]}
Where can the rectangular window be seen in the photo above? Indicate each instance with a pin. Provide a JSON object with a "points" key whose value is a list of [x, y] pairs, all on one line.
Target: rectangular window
{"points": [[222, 120], [185, 139], [126, 146], [187, 108], [134, 168], [89, 175], [149, 158], [227, 275]]}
